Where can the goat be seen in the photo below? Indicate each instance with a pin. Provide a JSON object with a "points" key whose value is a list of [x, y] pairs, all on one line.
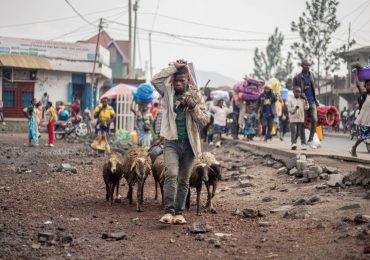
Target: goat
{"points": [[214, 176], [112, 175], [199, 174], [158, 175], [137, 167]]}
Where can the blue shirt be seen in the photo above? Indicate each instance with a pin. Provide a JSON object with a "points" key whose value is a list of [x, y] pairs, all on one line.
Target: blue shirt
{"points": [[308, 88], [267, 101]]}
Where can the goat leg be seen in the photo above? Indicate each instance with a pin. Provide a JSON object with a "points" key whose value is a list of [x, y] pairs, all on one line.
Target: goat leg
{"points": [[106, 191], [111, 193], [209, 195], [129, 194], [199, 189], [188, 200], [212, 209], [138, 197], [156, 191], [162, 196], [142, 192]]}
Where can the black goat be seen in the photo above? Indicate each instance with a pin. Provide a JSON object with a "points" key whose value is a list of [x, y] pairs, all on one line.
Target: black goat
{"points": [[112, 175], [198, 175]]}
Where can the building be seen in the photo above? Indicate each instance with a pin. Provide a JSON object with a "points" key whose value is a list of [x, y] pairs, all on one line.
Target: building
{"points": [[359, 56], [119, 53], [29, 68]]}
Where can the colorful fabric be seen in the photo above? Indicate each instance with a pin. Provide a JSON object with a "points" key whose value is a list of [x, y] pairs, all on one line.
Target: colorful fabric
{"points": [[250, 123], [144, 122], [364, 132], [364, 117], [266, 100], [32, 129], [105, 113]]}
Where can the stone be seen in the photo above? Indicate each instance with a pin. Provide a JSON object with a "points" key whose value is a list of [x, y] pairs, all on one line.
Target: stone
{"points": [[363, 235], [36, 246], [362, 219], [301, 165], [283, 189], [367, 196], [316, 169], [335, 180], [45, 237], [324, 176], [243, 194], [117, 235], [321, 187], [298, 213], [223, 236], [312, 176], [245, 184], [250, 213], [67, 239], [293, 171], [300, 201], [363, 170], [172, 240], [197, 228], [69, 168], [351, 206], [348, 183], [313, 200], [268, 199], [367, 249], [281, 209], [199, 237], [215, 242], [290, 163], [264, 224], [330, 170], [282, 170], [237, 212]]}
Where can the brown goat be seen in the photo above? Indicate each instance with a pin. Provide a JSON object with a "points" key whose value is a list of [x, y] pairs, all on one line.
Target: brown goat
{"points": [[137, 167], [112, 175], [158, 175]]}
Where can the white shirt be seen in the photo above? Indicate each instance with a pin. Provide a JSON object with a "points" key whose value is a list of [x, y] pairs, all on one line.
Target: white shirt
{"points": [[221, 114]]}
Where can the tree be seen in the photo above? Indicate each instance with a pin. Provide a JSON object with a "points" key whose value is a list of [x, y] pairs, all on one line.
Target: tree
{"points": [[316, 27], [270, 63]]}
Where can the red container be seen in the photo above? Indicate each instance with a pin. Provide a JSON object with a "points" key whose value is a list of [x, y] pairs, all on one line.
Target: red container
{"points": [[363, 74]]}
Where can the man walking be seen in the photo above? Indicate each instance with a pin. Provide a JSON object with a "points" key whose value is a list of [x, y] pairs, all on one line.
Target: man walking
{"points": [[267, 111], [306, 81], [183, 110]]}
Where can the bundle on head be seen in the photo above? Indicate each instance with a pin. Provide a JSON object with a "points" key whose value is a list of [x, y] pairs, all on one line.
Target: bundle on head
{"points": [[112, 174], [137, 167], [158, 175], [199, 174]]}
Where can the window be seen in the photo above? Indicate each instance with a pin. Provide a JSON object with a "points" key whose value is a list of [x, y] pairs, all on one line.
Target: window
{"points": [[26, 98], [9, 98]]}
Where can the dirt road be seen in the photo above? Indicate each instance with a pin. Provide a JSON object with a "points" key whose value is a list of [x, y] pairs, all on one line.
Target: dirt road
{"points": [[38, 195]]}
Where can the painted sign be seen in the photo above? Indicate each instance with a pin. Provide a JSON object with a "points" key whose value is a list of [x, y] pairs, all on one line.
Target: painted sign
{"points": [[51, 49]]}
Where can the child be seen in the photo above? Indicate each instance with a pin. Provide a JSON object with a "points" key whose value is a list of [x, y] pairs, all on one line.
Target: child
{"points": [[266, 110], [296, 107], [283, 120], [38, 117], [51, 117], [249, 125]]}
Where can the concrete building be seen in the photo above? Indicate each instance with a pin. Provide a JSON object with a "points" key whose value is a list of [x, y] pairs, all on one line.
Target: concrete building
{"points": [[29, 68]]}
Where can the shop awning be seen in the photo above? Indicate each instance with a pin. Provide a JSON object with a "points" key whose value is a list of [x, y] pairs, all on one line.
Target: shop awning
{"points": [[23, 61]]}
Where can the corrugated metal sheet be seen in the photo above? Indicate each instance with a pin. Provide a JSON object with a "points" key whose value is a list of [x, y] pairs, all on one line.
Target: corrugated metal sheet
{"points": [[23, 61]]}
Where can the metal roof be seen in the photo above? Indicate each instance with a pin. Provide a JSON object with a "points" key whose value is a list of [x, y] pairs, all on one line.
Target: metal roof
{"points": [[23, 61]]}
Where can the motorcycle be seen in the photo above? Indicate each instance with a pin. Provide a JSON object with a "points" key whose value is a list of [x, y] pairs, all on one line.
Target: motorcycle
{"points": [[66, 128]]}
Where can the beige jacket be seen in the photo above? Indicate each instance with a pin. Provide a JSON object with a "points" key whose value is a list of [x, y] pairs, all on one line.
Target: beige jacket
{"points": [[296, 115], [163, 82]]}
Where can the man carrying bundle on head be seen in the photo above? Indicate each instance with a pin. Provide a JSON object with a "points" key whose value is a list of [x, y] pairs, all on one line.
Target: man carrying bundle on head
{"points": [[183, 110]]}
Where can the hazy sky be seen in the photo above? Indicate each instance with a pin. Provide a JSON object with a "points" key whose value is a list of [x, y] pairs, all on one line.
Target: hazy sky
{"points": [[252, 20]]}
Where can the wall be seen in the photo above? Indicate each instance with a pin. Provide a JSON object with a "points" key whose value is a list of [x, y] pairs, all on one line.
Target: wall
{"points": [[55, 83], [118, 68]]}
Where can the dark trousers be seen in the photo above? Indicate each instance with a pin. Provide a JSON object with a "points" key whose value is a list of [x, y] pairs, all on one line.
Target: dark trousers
{"points": [[298, 129], [283, 125], [312, 111], [178, 162], [267, 123], [235, 128], [1, 116]]}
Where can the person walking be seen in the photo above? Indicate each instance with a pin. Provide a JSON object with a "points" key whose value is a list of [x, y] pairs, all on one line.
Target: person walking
{"points": [[283, 120], [306, 81], [1, 112], [220, 113], [32, 123], [297, 105], [51, 117], [183, 112], [39, 111], [266, 111], [44, 102], [144, 125], [363, 119]]}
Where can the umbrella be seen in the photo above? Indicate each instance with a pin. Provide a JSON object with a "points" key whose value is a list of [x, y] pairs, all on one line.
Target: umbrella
{"points": [[120, 89]]}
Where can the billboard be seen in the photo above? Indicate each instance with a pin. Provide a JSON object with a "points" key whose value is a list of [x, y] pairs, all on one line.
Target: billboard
{"points": [[52, 49]]}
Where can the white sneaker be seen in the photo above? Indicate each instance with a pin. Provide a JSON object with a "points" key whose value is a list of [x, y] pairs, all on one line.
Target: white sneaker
{"points": [[46, 144], [304, 146], [211, 143], [218, 144], [51, 145], [312, 145], [294, 146]]}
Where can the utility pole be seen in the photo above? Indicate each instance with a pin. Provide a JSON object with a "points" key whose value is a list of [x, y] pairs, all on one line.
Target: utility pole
{"points": [[150, 56], [349, 66], [96, 56], [129, 40], [136, 6]]}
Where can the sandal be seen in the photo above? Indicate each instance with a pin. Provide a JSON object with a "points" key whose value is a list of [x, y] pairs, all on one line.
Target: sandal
{"points": [[166, 219], [179, 220]]}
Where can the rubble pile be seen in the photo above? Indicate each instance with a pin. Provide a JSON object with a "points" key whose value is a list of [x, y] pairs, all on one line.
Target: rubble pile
{"points": [[361, 177]]}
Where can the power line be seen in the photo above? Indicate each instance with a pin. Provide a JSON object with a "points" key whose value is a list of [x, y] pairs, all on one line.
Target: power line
{"points": [[60, 19], [80, 15], [155, 14], [71, 32], [355, 10], [201, 37]]}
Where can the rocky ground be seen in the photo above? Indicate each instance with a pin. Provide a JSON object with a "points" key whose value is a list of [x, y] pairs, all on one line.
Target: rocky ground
{"points": [[52, 205]]}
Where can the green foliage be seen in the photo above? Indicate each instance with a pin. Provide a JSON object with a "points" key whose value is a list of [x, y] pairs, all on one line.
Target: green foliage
{"points": [[270, 63], [316, 27]]}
